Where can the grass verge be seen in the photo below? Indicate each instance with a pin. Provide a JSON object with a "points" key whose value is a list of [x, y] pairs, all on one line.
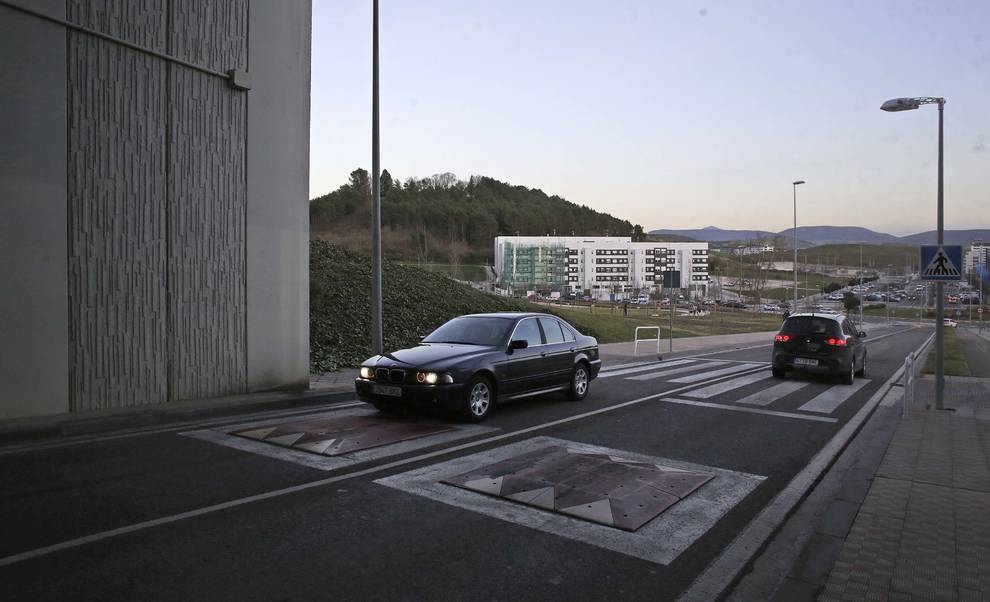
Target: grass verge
{"points": [[955, 360]]}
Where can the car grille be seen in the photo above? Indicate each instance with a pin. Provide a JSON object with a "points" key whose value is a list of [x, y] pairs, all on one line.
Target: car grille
{"points": [[394, 375]]}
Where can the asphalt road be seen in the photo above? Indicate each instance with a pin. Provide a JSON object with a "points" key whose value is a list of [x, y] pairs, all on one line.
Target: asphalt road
{"points": [[165, 515]]}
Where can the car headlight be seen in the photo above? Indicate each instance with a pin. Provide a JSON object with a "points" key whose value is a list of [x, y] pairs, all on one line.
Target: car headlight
{"points": [[366, 372], [432, 378], [426, 378]]}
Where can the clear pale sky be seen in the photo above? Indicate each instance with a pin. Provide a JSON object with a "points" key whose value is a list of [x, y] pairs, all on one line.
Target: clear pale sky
{"points": [[669, 114]]}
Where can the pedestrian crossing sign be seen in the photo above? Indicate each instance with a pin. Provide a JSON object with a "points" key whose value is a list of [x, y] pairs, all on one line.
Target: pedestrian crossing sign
{"points": [[941, 263]]}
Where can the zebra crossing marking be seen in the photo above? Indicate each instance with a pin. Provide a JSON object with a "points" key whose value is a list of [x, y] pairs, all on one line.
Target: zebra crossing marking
{"points": [[693, 378], [653, 366], [828, 401], [722, 406], [672, 371], [727, 385], [768, 396]]}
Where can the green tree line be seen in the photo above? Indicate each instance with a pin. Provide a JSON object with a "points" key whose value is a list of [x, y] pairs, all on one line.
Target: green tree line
{"points": [[444, 211]]}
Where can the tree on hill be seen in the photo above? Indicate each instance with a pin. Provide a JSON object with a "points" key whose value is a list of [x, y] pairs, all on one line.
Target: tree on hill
{"points": [[425, 217]]}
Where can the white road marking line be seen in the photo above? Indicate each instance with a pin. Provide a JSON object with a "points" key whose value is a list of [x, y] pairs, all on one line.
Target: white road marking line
{"points": [[828, 401], [722, 406], [693, 378], [174, 518], [727, 385], [768, 396], [653, 366]]}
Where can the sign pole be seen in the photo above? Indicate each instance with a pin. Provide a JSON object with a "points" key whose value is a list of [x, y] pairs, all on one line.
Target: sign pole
{"points": [[939, 286]]}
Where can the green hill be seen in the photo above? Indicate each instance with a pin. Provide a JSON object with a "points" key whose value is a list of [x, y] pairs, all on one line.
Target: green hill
{"points": [[445, 220], [415, 301]]}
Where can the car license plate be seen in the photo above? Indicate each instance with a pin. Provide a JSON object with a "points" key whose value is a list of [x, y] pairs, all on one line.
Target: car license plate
{"points": [[803, 361], [386, 390]]}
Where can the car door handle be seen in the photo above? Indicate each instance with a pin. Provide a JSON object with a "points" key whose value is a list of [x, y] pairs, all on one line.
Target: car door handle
{"points": [[543, 354], [572, 350]]}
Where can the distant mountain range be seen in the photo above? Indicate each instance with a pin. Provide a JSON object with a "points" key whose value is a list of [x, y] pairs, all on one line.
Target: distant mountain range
{"points": [[829, 235]]}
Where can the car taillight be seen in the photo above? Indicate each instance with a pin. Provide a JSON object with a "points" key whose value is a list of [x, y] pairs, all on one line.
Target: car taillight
{"points": [[782, 338], [836, 342]]}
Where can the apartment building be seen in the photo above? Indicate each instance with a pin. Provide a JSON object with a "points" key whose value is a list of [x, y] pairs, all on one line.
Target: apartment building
{"points": [[602, 266], [976, 257]]}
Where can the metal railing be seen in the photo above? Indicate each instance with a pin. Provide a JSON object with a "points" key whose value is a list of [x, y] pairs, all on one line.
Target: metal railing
{"points": [[913, 364], [636, 338]]}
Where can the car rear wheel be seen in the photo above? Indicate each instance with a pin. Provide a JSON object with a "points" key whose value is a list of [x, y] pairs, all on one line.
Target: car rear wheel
{"points": [[850, 375], [862, 368], [480, 399], [778, 372], [579, 383]]}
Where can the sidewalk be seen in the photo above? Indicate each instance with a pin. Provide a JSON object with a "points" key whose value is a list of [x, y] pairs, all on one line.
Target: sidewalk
{"points": [[923, 531]]}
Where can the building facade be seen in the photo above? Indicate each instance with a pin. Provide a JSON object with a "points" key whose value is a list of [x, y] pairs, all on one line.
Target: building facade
{"points": [[977, 257], [154, 166], [604, 267]]}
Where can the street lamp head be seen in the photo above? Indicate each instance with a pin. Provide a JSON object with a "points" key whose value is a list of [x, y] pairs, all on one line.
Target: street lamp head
{"points": [[799, 182], [900, 104]]}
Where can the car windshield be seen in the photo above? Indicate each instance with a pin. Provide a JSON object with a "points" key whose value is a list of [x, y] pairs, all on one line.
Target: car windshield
{"points": [[811, 325], [472, 331]]}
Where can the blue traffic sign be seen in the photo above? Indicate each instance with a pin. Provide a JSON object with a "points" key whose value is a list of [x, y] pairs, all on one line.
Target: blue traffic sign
{"points": [[941, 263]]}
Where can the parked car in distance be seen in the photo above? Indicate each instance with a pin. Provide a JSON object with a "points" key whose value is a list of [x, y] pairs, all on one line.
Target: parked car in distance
{"points": [[949, 323], [819, 343], [473, 362]]}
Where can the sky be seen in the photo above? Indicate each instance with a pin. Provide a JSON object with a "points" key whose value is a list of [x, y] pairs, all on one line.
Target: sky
{"points": [[669, 114]]}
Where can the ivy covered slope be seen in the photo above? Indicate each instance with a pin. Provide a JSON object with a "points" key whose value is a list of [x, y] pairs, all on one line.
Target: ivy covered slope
{"points": [[416, 301]]}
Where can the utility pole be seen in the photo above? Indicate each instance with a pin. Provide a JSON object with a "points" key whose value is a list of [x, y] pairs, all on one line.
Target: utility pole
{"points": [[862, 297], [376, 199]]}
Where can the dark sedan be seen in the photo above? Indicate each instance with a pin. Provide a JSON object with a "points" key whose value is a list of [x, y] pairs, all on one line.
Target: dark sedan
{"points": [[473, 361], [819, 342]]}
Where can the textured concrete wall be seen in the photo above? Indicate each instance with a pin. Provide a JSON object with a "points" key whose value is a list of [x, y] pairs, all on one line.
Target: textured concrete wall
{"points": [[278, 195], [33, 319], [207, 200], [117, 108], [157, 196], [157, 254]]}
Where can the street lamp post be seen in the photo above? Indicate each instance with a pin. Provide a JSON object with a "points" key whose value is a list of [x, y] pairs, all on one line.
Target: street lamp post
{"points": [[376, 201], [795, 185], [909, 104]]}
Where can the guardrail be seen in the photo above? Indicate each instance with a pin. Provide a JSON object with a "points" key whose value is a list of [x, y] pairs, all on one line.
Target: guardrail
{"points": [[636, 338], [913, 364]]}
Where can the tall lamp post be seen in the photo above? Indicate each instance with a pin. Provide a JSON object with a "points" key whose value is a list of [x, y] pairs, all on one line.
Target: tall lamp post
{"points": [[909, 104], [376, 201], [795, 185]]}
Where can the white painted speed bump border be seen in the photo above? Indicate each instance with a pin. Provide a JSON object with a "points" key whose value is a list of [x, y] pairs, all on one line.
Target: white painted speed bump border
{"points": [[659, 541], [222, 436]]}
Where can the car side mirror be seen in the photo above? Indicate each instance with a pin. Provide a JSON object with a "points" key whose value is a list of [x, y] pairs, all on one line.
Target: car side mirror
{"points": [[861, 334], [518, 344]]}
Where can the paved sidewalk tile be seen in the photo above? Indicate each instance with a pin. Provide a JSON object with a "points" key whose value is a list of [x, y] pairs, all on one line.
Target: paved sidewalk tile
{"points": [[923, 531]]}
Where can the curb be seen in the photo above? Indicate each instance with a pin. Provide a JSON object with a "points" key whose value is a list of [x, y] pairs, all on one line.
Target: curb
{"points": [[32, 429]]}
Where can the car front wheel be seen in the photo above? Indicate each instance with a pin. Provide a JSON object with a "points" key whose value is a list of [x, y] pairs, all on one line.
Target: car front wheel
{"points": [[579, 383], [862, 368], [480, 399]]}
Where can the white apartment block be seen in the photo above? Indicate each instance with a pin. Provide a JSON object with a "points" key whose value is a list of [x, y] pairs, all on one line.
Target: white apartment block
{"points": [[603, 265], [753, 250], [977, 256]]}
